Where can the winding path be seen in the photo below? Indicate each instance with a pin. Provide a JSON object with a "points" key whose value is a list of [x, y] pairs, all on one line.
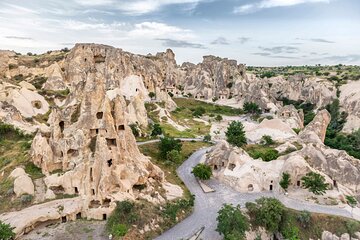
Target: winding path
{"points": [[208, 204]]}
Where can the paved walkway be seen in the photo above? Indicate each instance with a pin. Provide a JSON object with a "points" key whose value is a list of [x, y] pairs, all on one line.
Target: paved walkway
{"points": [[208, 204]]}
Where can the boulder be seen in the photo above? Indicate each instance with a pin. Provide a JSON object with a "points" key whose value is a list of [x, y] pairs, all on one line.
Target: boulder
{"points": [[23, 185], [315, 131]]}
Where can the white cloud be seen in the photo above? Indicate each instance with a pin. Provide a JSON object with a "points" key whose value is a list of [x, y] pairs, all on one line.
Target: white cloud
{"points": [[156, 30], [253, 7], [138, 7]]}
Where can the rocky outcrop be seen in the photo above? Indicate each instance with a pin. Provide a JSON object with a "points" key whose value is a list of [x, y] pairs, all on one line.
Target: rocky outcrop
{"points": [[315, 131], [291, 116], [22, 182], [350, 102]]}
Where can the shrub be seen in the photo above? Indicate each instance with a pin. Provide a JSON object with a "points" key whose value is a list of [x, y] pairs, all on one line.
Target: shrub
{"points": [[315, 183], [119, 230], [152, 95], [157, 130], [207, 138], [135, 130], [174, 156], [231, 222], [351, 201], [267, 154], [235, 134], [199, 111], [218, 118], [266, 140], [6, 231], [304, 218], [285, 180], [202, 171], [168, 144], [269, 213], [251, 107]]}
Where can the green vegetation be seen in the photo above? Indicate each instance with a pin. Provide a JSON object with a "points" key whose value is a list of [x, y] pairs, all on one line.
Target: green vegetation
{"points": [[38, 81], [307, 108], [76, 114], [184, 103], [152, 95], [351, 201], [156, 130], [169, 144], [135, 129], [285, 180], [267, 140], [335, 138], [295, 225], [231, 222], [268, 212], [235, 134], [207, 138], [199, 111], [218, 118], [266, 153], [34, 171], [174, 156], [202, 171], [152, 150], [252, 108], [315, 183], [6, 231]]}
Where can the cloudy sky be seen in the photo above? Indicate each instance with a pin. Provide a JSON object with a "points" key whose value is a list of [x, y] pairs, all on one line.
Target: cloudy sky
{"points": [[255, 32]]}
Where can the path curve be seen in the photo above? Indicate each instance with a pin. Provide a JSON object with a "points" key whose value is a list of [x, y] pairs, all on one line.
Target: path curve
{"points": [[208, 204]]}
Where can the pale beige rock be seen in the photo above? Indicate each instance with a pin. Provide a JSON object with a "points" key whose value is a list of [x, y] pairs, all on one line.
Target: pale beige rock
{"points": [[17, 172], [23, 185], [55, 80], [172, 191], [27, 86], [315, 131]]}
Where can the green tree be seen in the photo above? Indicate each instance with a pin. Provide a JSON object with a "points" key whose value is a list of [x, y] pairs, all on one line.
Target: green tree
{"points": [[174, 156], [157, 130], [315, 183], [135, 130], [152, 95], [202, 171], [304, 218], [218, 118], [269, 213], [235, 134], [352, 227], [351, 200], [168, 144], [231, 222], [119, 230], [285, 180], [207, 138], [252, 108], [266, 140], [6, 231], [199, 111]]}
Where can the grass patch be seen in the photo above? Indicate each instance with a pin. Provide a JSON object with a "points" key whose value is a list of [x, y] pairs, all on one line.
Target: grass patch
{"points": [[34, 171], [185, 104], [266, 153], [152, 150]]}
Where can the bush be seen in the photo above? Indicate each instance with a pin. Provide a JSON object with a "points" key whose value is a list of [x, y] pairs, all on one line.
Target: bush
{"points": [[267, 154], [152, 95], [304, 218], [199, 111], [266, 140], [235, 134], [6, 231], [285, 180], [174, 156], [315, 183], [119, 230], [269, 213], [202, 171], [218, 118], [207, 138], [157, 130], [231, 222], [251, 107], [168, 144], [351, 201], [135, 130]]}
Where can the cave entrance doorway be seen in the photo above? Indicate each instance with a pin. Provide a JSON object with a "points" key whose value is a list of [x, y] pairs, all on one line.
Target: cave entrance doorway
{"points": [[271, 187], [63, 219], [298, 183], [104, 216]]}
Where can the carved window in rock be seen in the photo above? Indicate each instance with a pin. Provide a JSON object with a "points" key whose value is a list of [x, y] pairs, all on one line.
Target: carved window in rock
{"points": [[62, 126], [93, 191], [99, 115], [91, 175], [111, 142], [250, 188], [106, 202], [63, 219], [99, 59], [298, 183], [121, 127], [57, 189], [78, 215], [271, 187], [232, 166], [109, 162], [215, 167], [72, 153], [104, 216], [94, 204], [76, 190]]}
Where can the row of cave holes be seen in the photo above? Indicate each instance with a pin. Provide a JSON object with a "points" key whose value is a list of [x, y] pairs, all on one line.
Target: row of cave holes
{"points": [[250, 187], [78, 217]]}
